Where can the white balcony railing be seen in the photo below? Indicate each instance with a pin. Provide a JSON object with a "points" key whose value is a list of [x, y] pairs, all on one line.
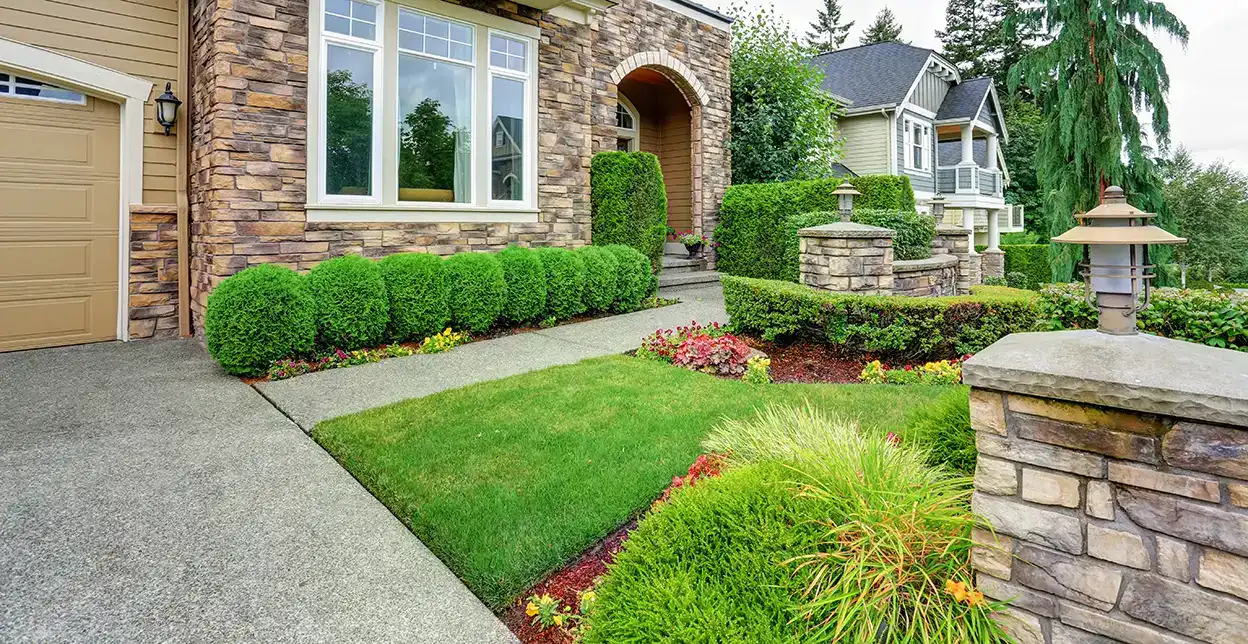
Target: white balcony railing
{"points": [[969, 180]]}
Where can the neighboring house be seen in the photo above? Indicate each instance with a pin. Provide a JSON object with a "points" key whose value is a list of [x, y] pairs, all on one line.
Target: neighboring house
{"points": [[907, 111], [314, 128]]}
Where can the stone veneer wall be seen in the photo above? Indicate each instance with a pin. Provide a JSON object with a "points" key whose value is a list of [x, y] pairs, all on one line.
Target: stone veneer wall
{"points": [[993, 262], [248, 114], [847, 258], [153, 272], [935, 276], [951, 240]]}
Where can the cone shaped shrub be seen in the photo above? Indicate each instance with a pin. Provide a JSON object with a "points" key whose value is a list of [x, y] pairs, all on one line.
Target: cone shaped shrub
{"points": [[478, 291], [352, 308], [259, 315], [633, 284], [565, 282], [417, 290], [601, 277], [526, 284], [628, 202]]}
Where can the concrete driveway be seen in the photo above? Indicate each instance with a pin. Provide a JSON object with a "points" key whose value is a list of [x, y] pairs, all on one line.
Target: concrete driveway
{"points": [[145, 496]]}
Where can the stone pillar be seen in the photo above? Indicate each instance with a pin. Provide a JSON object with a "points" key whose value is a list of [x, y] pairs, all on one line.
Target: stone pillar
{"points": [[993, 259], [848, 258], [952, 240], [1114, 471]]}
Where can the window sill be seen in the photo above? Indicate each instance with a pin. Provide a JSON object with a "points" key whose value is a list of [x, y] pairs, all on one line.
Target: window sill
{"points": [[341, 213]]}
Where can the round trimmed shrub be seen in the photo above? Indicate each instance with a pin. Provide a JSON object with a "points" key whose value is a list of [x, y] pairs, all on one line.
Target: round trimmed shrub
{"points": [[634, 281], [601, 277], [526, 284], [352, 309], [416, 287], [259, 315], [477, 290], [565, 282]]}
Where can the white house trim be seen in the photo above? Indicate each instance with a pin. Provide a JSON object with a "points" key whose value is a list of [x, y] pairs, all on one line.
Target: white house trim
{"points": [[131, 93]]}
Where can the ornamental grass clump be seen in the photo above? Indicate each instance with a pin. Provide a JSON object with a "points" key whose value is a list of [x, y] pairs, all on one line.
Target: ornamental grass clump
{"points": [[259, 315], [352, 308]]}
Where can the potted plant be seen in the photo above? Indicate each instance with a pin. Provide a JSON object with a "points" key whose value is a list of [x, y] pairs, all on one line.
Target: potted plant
{"points": [[693, 242]]}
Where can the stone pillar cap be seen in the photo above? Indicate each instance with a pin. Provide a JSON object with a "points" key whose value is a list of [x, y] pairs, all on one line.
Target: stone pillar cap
{"points": [[843, 229], [1143, 373]]}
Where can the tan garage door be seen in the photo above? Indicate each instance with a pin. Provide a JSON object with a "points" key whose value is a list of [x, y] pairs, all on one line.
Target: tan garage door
{"points": [[59, 201]]}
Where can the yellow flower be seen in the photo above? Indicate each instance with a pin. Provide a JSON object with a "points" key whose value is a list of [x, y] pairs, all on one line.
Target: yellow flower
{"points": [[589, 596], [531, 609], [975, 597], [957, 589], [558, 620]]}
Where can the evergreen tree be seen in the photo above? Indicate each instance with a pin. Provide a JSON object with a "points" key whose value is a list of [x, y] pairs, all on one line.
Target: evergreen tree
{"points": [[885, 28], [1088, 80], [970, 33], [826, 32]]}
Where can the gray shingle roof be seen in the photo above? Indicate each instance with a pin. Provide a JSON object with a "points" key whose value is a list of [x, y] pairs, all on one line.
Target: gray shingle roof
{"points": [[964, 99], [870, 75]]}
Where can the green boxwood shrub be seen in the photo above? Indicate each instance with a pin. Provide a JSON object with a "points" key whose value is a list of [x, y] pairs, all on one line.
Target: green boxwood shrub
{"points": [[1031, 260], [526, 284], [477, 290], [1016, 279], [602, 278], [352, 308], [898, 328], [634, 284], [1216, 318], [565, 282], [752, 236], [259, 315], [417, 291], [628, 202]]}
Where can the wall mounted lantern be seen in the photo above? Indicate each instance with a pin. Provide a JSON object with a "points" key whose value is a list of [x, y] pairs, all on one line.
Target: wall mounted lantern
{"points": [[1115, 269], [845, 194], [167, 108], [937, 205]]}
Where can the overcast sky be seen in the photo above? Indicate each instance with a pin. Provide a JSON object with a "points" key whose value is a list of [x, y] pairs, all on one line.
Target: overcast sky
{"points": [[1208, 94]]}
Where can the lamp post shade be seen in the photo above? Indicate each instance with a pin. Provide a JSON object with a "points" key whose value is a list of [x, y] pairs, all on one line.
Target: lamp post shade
{"points": [[937, 205], [1116, 270], [167, 108], [845, 194]]}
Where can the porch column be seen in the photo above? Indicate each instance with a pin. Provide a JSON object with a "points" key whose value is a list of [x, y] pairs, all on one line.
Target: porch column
{"points": [[992, 152], [994, 230], [968, 144]]}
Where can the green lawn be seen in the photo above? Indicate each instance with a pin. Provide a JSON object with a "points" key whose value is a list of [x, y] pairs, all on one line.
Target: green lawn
{"points": [[508, 480]]}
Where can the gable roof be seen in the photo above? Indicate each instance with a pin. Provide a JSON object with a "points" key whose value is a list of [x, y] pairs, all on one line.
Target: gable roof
{"points": [[877, 75], [964, 99]]}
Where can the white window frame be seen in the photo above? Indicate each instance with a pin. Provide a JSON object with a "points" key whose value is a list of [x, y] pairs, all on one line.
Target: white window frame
{"points": [[632, 135], [379, 87], [384, 206], [910, 144]]}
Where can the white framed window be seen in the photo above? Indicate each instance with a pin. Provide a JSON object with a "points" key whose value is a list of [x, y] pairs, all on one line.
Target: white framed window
{"points": [[14, 86], [453, 114], [627, 126], [918, 145]]}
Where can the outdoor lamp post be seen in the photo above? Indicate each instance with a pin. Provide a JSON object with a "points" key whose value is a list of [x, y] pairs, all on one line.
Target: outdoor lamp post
{"points": [[167, 108], [938, 207], [845, 194], [1115, 269]]}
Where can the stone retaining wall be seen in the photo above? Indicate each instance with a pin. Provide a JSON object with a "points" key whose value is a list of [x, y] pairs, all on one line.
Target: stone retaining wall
{"points": [[932, 277], [951, 240], [848, 258]]}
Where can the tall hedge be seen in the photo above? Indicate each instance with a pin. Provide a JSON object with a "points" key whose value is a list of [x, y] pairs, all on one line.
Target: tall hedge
{"points": [[602, 279], [628, 202], [259, 315], [752, 233], [526, 284], [352, 308], [478, 290], [1032, 259], [565, 282], [417, 288]]}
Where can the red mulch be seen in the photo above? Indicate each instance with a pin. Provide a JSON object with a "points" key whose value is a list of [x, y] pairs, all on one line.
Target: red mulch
{"points": [[809, 362]]}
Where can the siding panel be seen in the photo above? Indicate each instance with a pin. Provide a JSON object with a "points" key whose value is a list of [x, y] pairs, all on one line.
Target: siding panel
{"points": [[866, 143], [930, 92]]}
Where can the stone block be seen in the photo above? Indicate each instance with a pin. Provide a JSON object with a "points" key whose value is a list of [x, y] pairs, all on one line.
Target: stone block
{"points": [[1049, 488], [1217, 527], [987, 411], [1151, 479], [995, 476], [1019, 596], [1123, 445], [1239, 494], [1024, 627], [1100, 500], [1062, 634], [1112, 626], [1029, 523], [1185, 609], [1173, 560], [1089, 415], [992, 554], [1208, 448], [1117, 546], [1224, 572], [1077, 579], [1049, 456]]}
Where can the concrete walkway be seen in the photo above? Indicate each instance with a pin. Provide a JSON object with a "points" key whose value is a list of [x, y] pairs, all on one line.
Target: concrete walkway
{"points": [[311, 398], [147, 497]]}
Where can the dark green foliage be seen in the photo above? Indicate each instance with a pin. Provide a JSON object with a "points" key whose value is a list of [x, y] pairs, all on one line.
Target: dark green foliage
{"points": [[634, 283], [1025, 123], [1218, 318], [1030, 259], [1210, 205], [565, 282], [352, 308], [259, 315], [884, 28], [944, 431], [602, 278], [894, 328], [827, 33], [628, 202], [753, 235], [417, 290], [526, 284], [1017, 279], [478, 290], [914, 231]]}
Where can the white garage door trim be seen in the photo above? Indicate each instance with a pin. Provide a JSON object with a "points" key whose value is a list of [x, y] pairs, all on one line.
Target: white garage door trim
{"points": [[131, 93]]}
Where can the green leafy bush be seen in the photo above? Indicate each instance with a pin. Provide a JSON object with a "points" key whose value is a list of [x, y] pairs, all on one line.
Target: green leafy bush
{"points": [[1030, 259], [628, 202], [602, 278], [478, 290], [259, 315], [1216, 318], [752, 234], [526, 284], [914, 231], [565, 282], [416, 287], [634, 282], [993, 280], [1017, 279], [352, 308], [899, 328]]}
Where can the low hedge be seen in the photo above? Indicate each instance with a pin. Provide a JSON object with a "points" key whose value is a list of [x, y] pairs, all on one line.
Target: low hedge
{"points": [[601, 278], [259, 315], [634, 279], [526, 284], [1216, 318], [628, 202], [1030, 259], [352, 308], [565, 282], [752, 236], [416, 286], [479, 290], [902, 328]]}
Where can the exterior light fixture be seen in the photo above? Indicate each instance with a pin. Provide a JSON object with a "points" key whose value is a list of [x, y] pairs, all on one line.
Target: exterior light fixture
{"points": [[1115, 270], [845, 194], [167, 108], [937, 205]]}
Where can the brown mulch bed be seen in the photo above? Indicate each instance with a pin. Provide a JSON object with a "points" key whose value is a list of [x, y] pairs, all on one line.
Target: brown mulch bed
{"points": [[809, 362]]}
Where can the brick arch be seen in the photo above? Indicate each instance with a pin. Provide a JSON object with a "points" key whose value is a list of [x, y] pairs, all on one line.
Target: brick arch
{"points": [[677, 72]]}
